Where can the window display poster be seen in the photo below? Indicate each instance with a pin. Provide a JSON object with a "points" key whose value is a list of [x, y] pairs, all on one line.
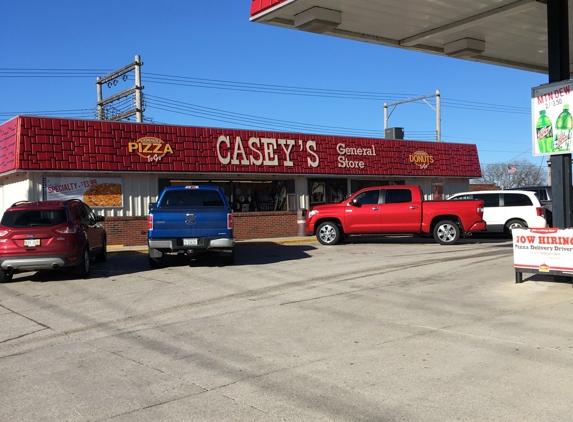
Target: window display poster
{"points": [[94, 191], [437, 190], [543, 250]]}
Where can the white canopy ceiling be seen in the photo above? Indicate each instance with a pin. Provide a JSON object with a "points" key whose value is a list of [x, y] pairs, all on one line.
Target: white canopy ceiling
{"points": [[511, 33]]}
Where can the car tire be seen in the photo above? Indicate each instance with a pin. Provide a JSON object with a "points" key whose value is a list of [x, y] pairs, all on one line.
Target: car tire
{"points": [[446, 232], [514, 224], [328, 233], [228, 258], [102, 254], [83, 269], [6, 276]]}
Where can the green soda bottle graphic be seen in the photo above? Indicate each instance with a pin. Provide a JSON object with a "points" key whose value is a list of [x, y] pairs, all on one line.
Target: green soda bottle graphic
{"points": [[544, 133], [563, 126]]}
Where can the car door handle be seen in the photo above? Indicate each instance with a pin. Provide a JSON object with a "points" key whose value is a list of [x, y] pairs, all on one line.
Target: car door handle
{"points": [[413, 207], [375, 208]]}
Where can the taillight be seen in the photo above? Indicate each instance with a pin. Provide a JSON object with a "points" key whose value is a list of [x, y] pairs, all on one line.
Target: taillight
{"points": [[150, 222], [230, 221], [67, 230], [540, 212]]}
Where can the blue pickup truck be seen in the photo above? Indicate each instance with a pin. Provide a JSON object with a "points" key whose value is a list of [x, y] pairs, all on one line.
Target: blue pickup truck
{"points": [[190, 220]]}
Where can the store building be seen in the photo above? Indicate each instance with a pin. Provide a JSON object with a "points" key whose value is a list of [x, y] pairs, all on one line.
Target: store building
{"points": [[119, 167]]}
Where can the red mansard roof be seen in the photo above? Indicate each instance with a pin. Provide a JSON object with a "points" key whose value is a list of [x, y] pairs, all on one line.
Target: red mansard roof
{"points": [[52, 144]]}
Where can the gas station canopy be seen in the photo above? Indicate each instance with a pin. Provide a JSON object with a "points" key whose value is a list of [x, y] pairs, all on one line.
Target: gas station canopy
{"points": [[510, 33]]}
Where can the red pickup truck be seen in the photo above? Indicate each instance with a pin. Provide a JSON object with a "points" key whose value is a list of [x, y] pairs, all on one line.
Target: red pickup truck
{"points": [[396, 209]]}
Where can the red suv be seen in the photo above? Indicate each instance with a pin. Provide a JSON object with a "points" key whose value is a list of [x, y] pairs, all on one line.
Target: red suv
{"points": [[50, 235]]}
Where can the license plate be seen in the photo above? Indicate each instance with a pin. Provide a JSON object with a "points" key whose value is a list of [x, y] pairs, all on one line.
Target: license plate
{"points": [[189, 242], [31, 242]]}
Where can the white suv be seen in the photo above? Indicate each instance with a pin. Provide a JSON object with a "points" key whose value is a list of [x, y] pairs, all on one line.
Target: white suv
{"points": [[505, 210]]}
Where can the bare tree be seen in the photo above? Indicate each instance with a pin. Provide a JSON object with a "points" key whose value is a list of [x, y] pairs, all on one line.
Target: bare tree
{"points": [[518, 173]]}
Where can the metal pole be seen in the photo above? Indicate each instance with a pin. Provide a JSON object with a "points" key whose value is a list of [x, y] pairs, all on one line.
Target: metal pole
{"points": [[99, 100], [438, 117], [138, 88], [558, 63], [385, 117]]}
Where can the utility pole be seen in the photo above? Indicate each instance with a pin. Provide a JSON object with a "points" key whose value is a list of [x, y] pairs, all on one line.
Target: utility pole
{"points": [[108, 113], [437, 109]]}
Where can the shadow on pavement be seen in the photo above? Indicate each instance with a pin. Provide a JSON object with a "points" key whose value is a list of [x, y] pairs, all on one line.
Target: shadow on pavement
{"points": [[251, 254], [421, 239]]}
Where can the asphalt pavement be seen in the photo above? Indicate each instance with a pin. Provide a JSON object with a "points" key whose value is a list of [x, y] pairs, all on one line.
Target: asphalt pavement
{"points": [[390, 329]]}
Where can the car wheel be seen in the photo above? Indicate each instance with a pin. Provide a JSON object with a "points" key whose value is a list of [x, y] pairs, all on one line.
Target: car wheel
{"points": [[328, 233], [514, 224], [228, 258], [446, 232], [83, 269], [6, 276], [102, 254]]}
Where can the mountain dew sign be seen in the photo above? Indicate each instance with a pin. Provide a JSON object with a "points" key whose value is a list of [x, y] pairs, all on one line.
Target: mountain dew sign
{"points": [[552, 123]]}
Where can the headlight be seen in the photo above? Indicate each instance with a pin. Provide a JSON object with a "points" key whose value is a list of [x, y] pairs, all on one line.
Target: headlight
{"points": [[312, 213]]}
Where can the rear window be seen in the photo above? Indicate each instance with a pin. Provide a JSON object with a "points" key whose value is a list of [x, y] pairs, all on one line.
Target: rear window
{"points": [[516, 200], [395, 196], [33, 218], [489, 199], [192, 198]]}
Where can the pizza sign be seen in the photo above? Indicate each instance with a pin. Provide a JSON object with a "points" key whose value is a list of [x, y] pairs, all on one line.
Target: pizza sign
{"points": [[150, 148]]}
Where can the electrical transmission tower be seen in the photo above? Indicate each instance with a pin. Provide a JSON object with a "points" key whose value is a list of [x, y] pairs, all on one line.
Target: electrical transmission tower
{"points": [[105, 109]]}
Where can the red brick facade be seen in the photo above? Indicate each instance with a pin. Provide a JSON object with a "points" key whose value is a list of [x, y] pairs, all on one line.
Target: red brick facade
{"points": [[132, 231]]}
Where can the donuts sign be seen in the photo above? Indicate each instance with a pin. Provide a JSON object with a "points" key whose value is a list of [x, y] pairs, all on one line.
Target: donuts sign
{"points": [[422, 159], [150, 148]]}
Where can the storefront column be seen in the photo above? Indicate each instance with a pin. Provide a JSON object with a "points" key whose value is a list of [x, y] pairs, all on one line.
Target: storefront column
{"points": [[301, 190]]}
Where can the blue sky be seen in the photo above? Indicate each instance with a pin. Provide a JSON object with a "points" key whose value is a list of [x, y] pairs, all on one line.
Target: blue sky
{"points": [[238, 74]]}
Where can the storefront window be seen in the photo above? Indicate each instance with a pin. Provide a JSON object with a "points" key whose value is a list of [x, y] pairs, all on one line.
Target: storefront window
{"points": [[253, 195], [326, 191], [261, 196]]}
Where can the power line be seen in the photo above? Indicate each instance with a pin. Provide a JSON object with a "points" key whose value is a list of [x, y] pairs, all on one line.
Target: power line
{"points": [[329, 93], [263, 88], [255, 122], [83, 112]]}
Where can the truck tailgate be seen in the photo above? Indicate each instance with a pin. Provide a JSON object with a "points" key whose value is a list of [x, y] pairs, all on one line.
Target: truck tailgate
{"points": [[190, 222]]}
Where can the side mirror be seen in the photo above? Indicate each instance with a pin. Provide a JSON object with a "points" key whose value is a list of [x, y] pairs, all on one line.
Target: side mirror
{"points": [[100, 218], [355, 203], [235, 206], [152, 205]]}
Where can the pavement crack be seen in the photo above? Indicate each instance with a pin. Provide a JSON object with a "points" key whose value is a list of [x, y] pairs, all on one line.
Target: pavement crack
{"points": [[22, 335], [26, 317]]}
